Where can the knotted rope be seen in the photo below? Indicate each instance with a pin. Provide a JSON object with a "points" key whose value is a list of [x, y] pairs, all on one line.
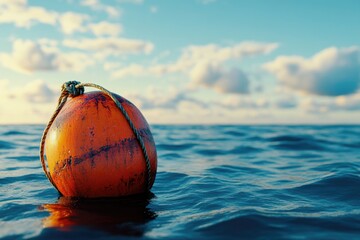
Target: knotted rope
{"points": [[73, 89]]}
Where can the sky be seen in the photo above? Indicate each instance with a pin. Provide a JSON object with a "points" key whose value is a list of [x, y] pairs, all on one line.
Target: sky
{"points": [[188, 61]]}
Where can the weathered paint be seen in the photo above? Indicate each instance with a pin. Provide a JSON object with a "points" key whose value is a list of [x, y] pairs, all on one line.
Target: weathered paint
{"points": [[92, 151]]}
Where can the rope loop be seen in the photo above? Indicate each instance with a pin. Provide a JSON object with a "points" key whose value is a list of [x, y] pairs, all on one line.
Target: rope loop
{"points": [[73, 89]]}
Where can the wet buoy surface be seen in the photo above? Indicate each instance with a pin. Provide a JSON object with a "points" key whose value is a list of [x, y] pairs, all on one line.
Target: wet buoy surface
{"points": [[92, 151]]}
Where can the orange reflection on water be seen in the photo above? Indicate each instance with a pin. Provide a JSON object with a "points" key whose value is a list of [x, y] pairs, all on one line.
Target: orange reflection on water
{"points": [[123, 216]]}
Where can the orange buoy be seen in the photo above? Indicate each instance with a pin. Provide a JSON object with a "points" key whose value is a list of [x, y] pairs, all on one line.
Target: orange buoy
{"points": [[92, 151]]}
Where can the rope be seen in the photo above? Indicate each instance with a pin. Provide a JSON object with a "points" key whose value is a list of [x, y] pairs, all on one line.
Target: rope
{"points": [[73, 89]]}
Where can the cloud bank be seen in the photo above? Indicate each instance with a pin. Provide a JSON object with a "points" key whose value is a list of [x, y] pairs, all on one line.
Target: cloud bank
{"points": [[220, 79], [331, 72], [98, 6], [29, 56], [205, 66], [22, 15], [110, 46]]}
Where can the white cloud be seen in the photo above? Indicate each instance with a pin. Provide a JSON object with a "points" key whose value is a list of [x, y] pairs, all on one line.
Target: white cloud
{"points": [[98, 6], [13, 3], [32, 103], [208, 54], [348, 103], [110, 46], [135, 70], [4, 85], [157, 98], [286, 102], [179, 106], [48, 43], [73, 22], [234, 102], [131, 70], [314, 106], [73, 61], [28, 56], [105, 29], [131, 1], [216, 54], [36, 92], [89, 2], [220, 79], [111, 65], [328, 105], [172, 98], [18, 13], [22, 15], [331, 72], [154, 9], [205, 66]]}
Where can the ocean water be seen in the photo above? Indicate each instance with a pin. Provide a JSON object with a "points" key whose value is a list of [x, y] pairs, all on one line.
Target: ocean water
{"points": [[213, 182]]}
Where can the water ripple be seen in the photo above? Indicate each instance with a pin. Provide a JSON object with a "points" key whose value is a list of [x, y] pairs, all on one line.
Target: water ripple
{"points": [[6, 145]]}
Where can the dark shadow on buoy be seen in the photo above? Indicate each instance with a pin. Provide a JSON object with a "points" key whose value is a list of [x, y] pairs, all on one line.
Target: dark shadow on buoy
{"points": [[110, 216]]}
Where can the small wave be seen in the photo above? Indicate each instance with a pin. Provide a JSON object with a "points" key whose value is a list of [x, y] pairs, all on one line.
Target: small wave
{"points": [[299, 146], [170, 156], [305, 156], [233, 171], [355, 145], [173, 180], [11, 211], [13, 132], [289, 138], [307, 142], [171, 175], [212, 152], [33, 148], [339, 167], [24, 158], [344, 187], [244, 227], [235, 133], [245, 150], [255, 139], [258, 226], [174, 147], [22, 178], [6, 145], [291, 142]]}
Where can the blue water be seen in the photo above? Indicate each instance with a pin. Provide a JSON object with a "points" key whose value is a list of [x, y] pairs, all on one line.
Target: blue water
{"points": [[213, 182]]}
